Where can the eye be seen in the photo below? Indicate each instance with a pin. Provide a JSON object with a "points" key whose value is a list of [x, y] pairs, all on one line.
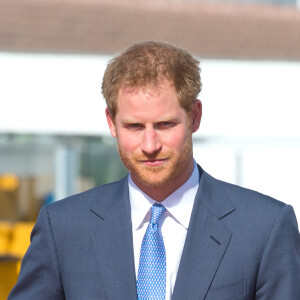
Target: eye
{"points": [[165, 125], [134, 126]]}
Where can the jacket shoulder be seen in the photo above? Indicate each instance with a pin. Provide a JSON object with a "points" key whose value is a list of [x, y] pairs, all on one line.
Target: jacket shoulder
{"points": [[244, 199]]}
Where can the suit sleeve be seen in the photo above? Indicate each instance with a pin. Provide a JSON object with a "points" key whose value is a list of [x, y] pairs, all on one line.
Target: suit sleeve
{"points": [[40, 274], [279, 273]]}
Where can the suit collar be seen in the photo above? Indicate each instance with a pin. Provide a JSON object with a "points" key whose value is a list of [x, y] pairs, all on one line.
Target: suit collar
{"points": [[110, 198], [206, 242], [212, 194]]}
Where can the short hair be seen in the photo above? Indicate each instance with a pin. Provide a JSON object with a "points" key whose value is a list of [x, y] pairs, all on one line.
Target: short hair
{"points": [[147, 64]]}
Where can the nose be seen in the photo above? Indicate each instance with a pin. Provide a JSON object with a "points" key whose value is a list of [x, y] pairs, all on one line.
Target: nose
{"points": [[150, 143]]}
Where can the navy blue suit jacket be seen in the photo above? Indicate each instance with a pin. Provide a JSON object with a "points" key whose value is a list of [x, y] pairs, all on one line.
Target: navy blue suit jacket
{"points": [[240, 245]]}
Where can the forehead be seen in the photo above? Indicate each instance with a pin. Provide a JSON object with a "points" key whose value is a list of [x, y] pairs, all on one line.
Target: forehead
{"points": [[148, 101]]}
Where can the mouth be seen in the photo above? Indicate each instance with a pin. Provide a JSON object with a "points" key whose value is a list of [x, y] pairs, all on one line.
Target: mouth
{"points": [[153, 162]]}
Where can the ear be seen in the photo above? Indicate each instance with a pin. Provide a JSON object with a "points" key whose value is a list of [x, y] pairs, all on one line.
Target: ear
{"points": [[196, 116], [110, 122]]}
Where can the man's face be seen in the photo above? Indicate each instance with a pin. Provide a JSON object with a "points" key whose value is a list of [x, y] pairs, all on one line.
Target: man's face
{"points": [[154, 135]]}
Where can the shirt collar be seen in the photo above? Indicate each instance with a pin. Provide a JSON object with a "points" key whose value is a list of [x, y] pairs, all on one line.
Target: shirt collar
{"points": [[179, 204]]}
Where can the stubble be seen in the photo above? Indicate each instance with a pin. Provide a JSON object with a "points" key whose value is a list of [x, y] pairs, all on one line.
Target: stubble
{"points": [[158, 176]]}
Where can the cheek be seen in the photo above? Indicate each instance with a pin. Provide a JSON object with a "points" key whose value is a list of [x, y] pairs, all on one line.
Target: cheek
{"points": [[176, 140], [127, 143]]}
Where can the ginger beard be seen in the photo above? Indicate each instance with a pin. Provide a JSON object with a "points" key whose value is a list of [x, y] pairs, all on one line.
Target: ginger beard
{"points": [[158, 176]]}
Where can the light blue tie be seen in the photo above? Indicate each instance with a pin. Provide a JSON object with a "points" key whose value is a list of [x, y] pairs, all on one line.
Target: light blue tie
{"points": [[151, 282]]}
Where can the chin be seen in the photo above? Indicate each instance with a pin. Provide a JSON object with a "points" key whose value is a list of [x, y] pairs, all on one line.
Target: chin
{"points": [[154, 179]]}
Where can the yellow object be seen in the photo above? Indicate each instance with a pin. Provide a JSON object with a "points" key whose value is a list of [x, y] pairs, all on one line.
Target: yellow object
{"points": [[20, 238], [5, 237], [14, 241], [9, 182], [8, 276]]}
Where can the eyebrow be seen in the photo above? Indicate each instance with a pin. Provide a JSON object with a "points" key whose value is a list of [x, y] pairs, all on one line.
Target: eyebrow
{"points": [[164, 119]]}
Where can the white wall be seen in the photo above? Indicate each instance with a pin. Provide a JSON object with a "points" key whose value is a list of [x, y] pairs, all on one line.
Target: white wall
{"points": [[62, 94], [52, 94]]}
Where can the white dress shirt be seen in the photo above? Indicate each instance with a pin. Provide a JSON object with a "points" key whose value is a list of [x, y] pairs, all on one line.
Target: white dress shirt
{"points": [[174, 223]]}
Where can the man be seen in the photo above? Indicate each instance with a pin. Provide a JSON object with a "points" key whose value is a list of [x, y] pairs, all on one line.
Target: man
{"points": [[168, 230]]}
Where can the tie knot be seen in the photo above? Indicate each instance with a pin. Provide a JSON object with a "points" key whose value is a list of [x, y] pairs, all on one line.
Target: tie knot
{"points": [[157, 210]]}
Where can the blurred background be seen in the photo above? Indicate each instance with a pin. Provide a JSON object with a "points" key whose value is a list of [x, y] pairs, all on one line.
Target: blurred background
{"points": [[54, 140]]}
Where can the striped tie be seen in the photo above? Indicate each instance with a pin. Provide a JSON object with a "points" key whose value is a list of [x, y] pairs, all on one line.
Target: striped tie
{"points": [[151, 282]]}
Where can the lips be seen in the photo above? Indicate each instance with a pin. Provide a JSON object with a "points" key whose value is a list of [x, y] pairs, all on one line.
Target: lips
{"points": [[153, 162]]}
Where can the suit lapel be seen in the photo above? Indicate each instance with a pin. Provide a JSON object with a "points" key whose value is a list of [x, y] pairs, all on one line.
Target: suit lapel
{"points": [[111, 237], [206, 242]]}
